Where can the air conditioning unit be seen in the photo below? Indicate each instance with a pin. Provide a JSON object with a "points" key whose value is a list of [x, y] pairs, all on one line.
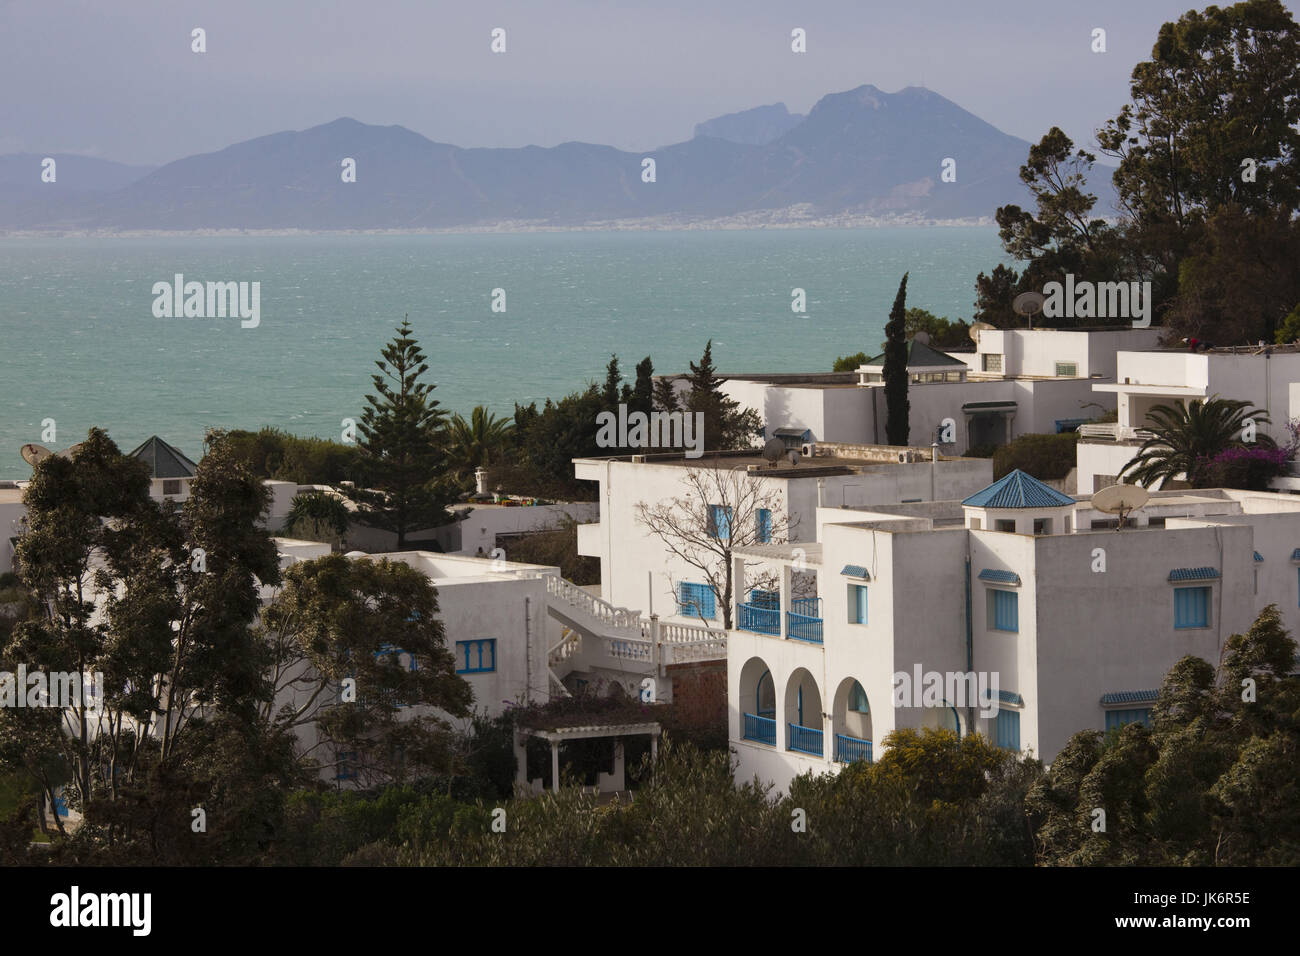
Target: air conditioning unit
{"points": [[638, 459], [753, 468], [902, 458], [809, 449]]}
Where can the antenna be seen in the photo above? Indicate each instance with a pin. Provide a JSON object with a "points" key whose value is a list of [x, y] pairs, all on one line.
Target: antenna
{"points": [[1120, 500], [35, 454], [1028, 304]]}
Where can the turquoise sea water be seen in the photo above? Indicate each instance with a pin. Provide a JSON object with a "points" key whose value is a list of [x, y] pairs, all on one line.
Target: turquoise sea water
{"points": [[79, 342]]}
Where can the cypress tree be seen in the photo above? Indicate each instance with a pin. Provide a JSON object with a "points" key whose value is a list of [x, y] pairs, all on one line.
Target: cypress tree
{"points": [[896, 403]]}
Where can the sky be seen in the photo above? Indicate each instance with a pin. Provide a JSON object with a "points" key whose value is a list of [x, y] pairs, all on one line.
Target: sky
{"points": [[118, 79]]}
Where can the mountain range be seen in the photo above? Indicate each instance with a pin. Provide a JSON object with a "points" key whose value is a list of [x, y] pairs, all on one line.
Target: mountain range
{"points": [[861, 153]]}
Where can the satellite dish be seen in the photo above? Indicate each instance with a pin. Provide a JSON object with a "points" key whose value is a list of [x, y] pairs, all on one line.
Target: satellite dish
{"points": [[773, 450], [1028, 304], [793, 456], [1120, 500], [35, 454], [922, 337], [70, 450], [977, 328]]}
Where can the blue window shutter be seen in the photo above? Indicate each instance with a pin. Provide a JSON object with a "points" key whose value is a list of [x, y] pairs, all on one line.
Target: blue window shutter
{"points": [[696, 600], [857, 604], [720, 522], [1008, 729], [1118, 718], [764, 519], [1191, 607], [1006, 611]]}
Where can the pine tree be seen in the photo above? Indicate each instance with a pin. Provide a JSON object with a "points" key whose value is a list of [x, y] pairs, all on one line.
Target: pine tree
{"points": [[610, 395], [400, 438], [896, 403], [665, 395], [641, 397], [725, 425]]}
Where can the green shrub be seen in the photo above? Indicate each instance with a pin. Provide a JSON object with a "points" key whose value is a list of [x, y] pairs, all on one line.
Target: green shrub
{"points": [[1046, 457]]}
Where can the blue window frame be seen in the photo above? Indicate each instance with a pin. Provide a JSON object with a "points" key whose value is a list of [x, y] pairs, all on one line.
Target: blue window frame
{"points": [[763, 523], [720, 522], [1118, 718], [1006, 610], [1008, 729], [857, 604], [476, 657], [346, 767], [858, 699], [695, 600], [389, 649], [1191, 607]]}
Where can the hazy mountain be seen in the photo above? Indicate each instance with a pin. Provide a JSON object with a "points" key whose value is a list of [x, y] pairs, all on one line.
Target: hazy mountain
{"points": [[81, 173], [863, 152], [756, 127]]}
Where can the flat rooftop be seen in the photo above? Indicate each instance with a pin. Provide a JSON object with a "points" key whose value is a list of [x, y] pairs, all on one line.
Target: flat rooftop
{"points": [[832, 458]]}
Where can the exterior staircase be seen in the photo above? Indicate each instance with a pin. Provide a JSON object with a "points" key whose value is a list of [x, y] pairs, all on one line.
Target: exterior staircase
{"points": [[598, 634]]}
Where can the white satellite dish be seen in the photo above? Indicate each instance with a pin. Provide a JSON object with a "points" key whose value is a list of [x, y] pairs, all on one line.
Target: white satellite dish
{"points": [[70, 450], [1120, 500], [793, 456], [1028, 304], [977, 328], [922, 337], [35, 454]]}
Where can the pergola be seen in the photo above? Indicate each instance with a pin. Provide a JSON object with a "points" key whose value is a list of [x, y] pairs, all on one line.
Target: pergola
{"points": [[562, 735]]}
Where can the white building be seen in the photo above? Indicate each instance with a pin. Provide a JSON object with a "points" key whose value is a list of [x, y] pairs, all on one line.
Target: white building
{"points": [[637, 569], [1079, 624], [1264, 376], [1017, 381]]}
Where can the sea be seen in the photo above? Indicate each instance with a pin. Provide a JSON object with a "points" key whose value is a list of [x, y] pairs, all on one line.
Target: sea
{"points": [[80, 345]]}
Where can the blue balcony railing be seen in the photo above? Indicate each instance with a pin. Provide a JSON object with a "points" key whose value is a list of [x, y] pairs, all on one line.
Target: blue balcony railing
{"points": [[760, 729], [760, 620], [805, 740], [808, 607], [849, 749], [802, 627]]}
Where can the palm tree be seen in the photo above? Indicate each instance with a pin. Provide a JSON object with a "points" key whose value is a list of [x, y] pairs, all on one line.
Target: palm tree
{"points": [[477, 442], [1184, 435]]}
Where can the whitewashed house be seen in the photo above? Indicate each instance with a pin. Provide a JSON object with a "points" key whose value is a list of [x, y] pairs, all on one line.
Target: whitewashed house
{"points": [[1016, 381], [1265, 376], [1020, 588], [637, 568]]}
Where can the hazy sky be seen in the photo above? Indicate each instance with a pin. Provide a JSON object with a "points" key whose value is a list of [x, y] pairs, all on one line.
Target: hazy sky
{"points": [[117, 78]]}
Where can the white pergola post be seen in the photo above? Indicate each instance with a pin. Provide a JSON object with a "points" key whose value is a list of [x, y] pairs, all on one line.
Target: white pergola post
{"points": [[555, 766]]}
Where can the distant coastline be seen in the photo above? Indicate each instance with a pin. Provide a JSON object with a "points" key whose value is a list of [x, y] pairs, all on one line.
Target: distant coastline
{"points": [[794, 218]]}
